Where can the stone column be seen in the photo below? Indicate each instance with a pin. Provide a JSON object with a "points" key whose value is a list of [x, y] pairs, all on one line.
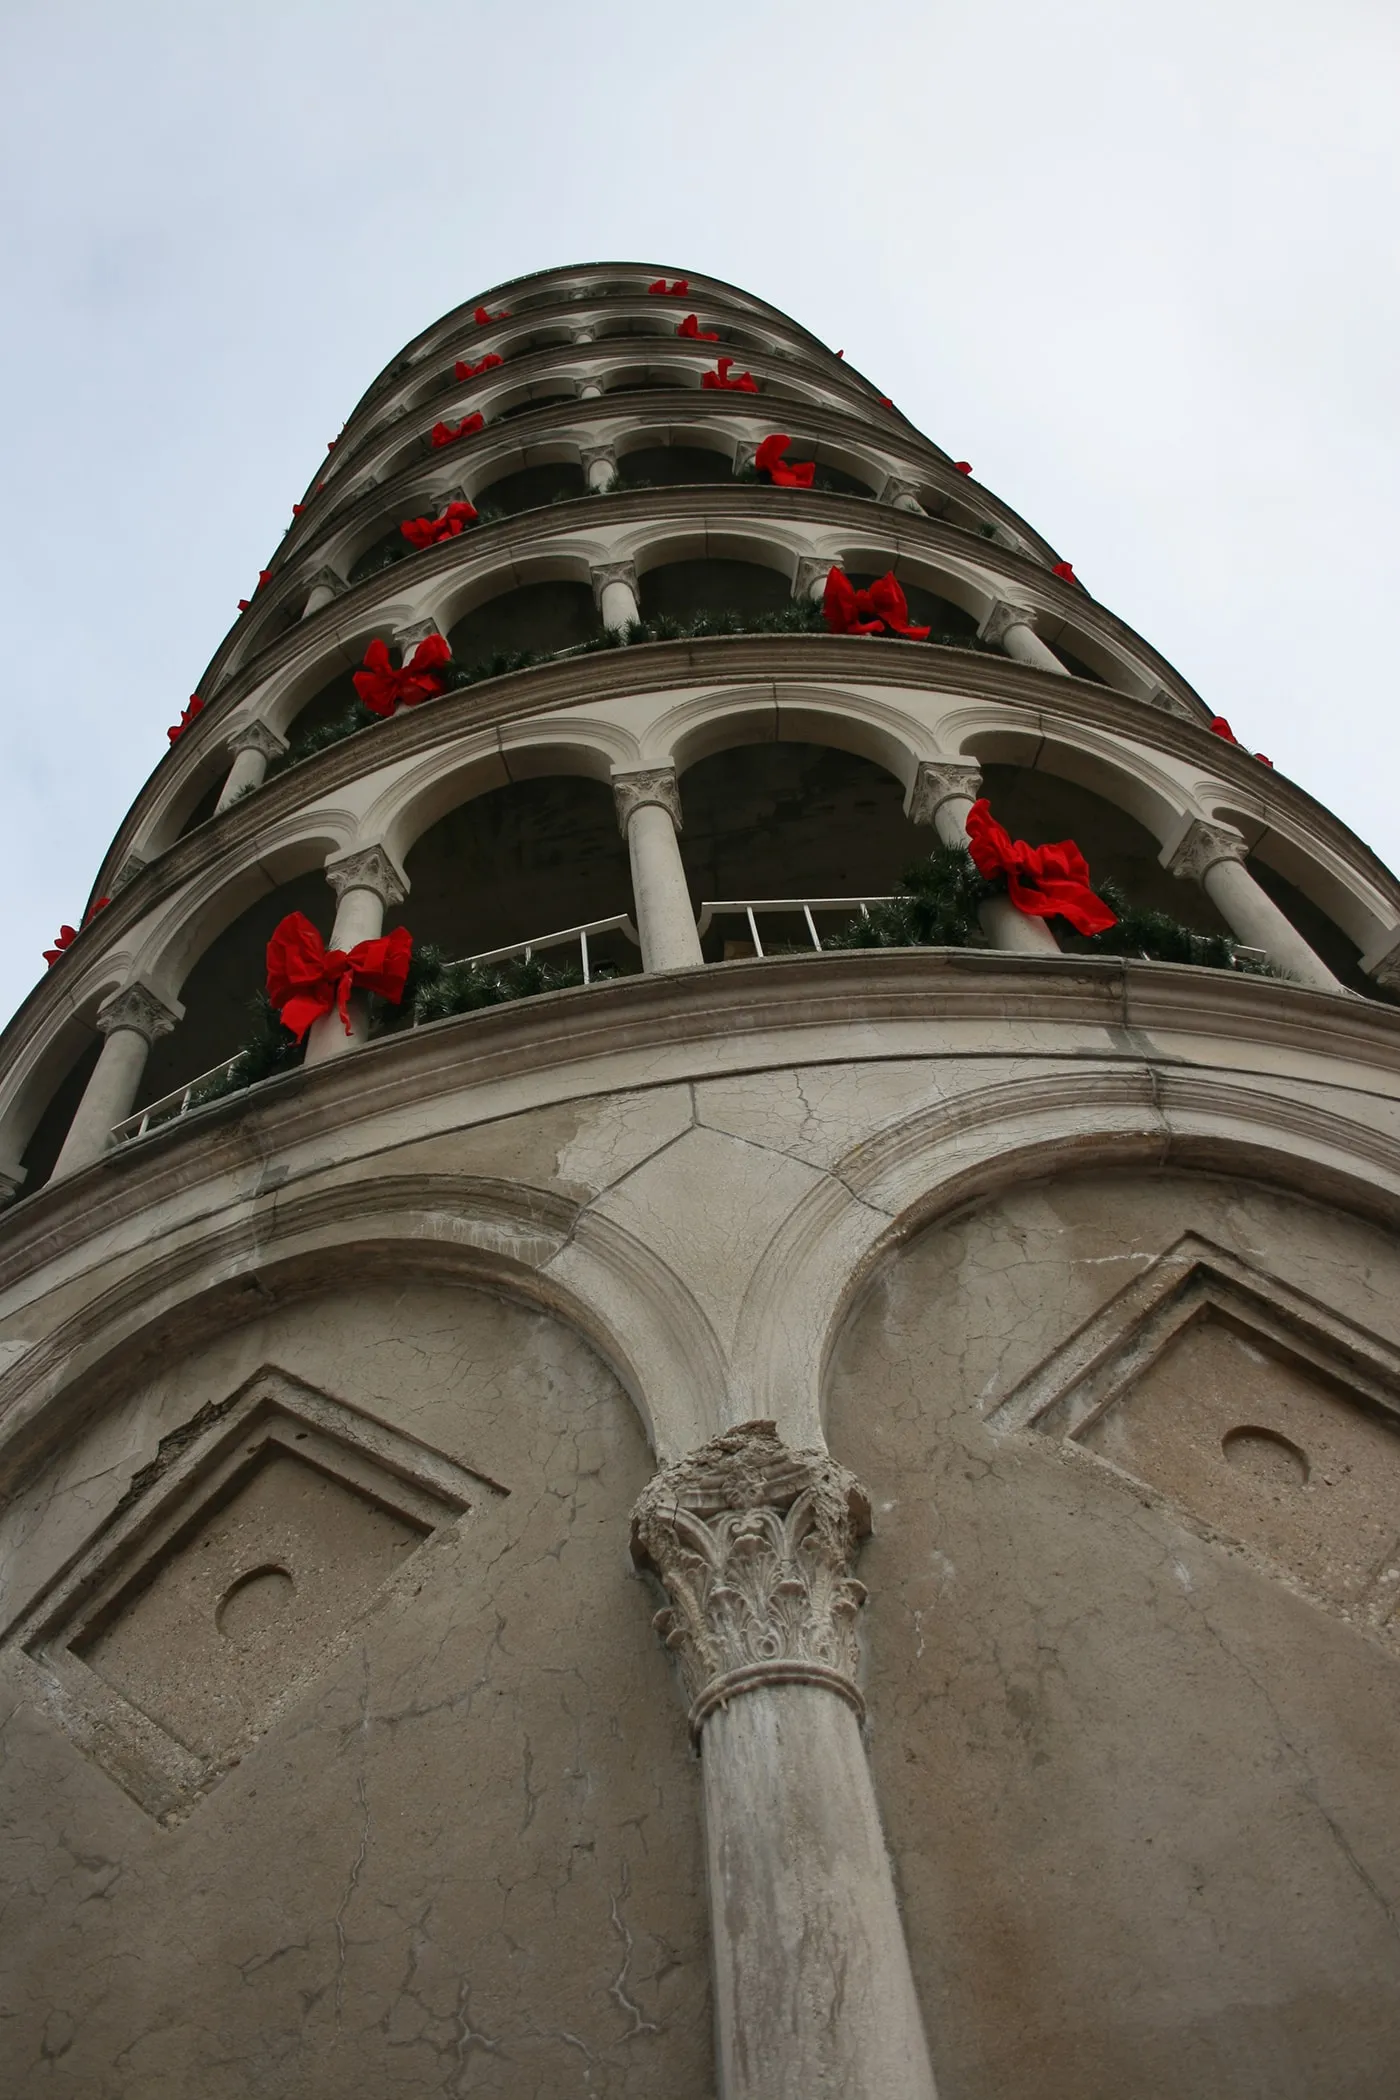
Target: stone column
{"points": [[1383, 964], [366, 884], [1013, 627], [599, 463], [1214, 856], [754, 1544], [325, 585], [131, 1020], [810, 580], [615, 591], [902, 495], [406, 639], [252, 749], [942, 795], [649, 817], [590, 389]]}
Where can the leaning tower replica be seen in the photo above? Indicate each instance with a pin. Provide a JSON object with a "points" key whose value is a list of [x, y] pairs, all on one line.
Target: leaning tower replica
{"points": [[700, 1331]]}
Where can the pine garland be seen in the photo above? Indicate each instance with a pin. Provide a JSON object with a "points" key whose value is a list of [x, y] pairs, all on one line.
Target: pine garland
{"points": [[444, 989]]}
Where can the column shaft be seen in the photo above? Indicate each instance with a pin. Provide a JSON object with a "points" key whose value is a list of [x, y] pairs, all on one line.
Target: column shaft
{"points": [[1026, 646], [249, 770], [1014, 931], [320, 596], [1253, 917], [110, 1095], [660, 893], [618, 605], [359, 916]]}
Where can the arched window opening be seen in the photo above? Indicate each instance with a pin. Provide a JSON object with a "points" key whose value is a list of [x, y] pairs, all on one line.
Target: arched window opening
{"points": [[945, 621], [1322, 934], [532, 488], [526, 408], [645, 383], [40, 1155], [391, 546], [791, 820], [329, 705], [542, 618], [204, 808], [673, 466], [682, 590], [518, 864]]}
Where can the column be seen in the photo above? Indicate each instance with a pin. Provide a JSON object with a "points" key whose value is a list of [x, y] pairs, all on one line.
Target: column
{"points": [[1013, 627], [325, 585], [615, 591], [1214, 856], [649, 817], [754, 1544], [365, 884], [590, 388], [12, 1180], [810, 580], [131, 1020], [902, 495], [599, 463], [406, 639], [942, 794], [251, 748], [1382, 963]]}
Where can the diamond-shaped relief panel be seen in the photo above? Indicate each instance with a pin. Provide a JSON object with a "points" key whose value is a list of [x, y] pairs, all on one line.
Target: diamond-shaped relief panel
{"points": [[1262, 1413], [229, 1578]]}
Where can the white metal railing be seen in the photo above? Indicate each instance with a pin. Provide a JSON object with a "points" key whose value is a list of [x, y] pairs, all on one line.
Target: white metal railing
{"points": [[566, 938], [170, 1107], [750, 907]]}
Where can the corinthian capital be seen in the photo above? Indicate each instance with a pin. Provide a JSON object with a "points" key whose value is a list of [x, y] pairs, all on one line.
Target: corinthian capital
{"points": [[369, 869], [1003, 615], [938, 781], [633, 791], [754, 1544], [1201, 847], [137, 1007]]}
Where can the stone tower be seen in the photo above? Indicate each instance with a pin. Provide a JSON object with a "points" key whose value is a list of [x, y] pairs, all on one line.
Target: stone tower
{"points": [[706, 1496]]}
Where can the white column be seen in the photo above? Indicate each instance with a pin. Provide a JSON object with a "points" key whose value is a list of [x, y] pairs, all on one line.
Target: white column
{"points": [[755, 1544], [325, 586], [942, 795], [902, 495], [251, 748], [810, 580], [131, 1020], [590, 389], [615, 590], [1214, 856], [1013, 626], [1382, 963], [649, 817], [599, 463], [366, 884]]}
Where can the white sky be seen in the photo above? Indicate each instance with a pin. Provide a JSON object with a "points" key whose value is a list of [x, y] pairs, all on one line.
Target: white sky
{"points": [[1137, 263]]}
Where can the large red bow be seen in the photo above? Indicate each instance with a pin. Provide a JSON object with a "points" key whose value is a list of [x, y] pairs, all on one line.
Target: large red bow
{"points": [[66, 934], [690, 328], [427, 532], [444, 434], [679, 290], [483, 319], [1220, 727], [744, 384], [382, 688], [883, 609], [487, 364], [1065, 571], [769, 460], [1046, 881], [305, 979], [195, 707]]}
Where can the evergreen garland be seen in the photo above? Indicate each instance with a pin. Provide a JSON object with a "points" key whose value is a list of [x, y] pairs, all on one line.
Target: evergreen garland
{"points": [[444, 989]]}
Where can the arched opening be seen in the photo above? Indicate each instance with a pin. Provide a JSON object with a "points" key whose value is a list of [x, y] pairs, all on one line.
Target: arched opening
{"points": [[326, 706], [542, 618], [40, 1155], [525, 408], [520, 862], [203, 808], [532, 488], [682, 590], [390, 547], [791, 820], [673, 466]]}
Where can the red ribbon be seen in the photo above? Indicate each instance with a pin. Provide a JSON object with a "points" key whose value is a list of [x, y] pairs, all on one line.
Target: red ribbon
{"points": [[690, 328], [883, 609], [487, 364], [297, 509], [1065, 571], [1045, 881], [429, 532], [769, 460], [305, 979], [68, 934], [483, 319], [444, 434], [1220, 727], [382, 688], [744, 384], [962, 466], [195, 707], [679, 290]]}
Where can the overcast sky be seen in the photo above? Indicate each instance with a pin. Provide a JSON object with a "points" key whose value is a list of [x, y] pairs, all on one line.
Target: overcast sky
{"points": [[1137, 263]]}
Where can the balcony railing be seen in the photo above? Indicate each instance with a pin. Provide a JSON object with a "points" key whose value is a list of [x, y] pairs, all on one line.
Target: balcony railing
{"points": [[749, 908], [171, 1107], [569, 937]]}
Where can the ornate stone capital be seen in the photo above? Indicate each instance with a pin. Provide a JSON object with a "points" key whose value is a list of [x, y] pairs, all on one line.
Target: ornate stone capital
{"points": [[812, 570], [1170, 704], [1003, 615], [326, 580], [256, 736], [594, 455], [938, 781], [754, 1545], [901, 493], [634, 791], [406, 639], [1385, 968], [136, 1007], [584, 335], [1201, 847], [369, 869], [130, 868], [608, 572]]}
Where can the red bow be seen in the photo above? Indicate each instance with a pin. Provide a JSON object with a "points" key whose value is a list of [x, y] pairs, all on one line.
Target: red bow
{"points": [[690, 328], [195, 707], [444, 434], [1046, 881], [885, 401], [381, 687], [769, 460], [488, 363], [483, 319], [305, 979], [429, 532], [1065, 571], [679, 290], [744, 384], [297, 509], [68, 934], [962, 466], [1220, 727], [880, 610]]}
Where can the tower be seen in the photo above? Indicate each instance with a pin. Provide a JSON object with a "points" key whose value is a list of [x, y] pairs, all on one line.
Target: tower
{"points": [[977, 1355]]}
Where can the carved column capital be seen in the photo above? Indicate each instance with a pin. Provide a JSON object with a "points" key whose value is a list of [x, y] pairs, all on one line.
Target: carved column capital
{"points": [[904, 495], [1170, 704], [812, 571], [754, 1544], [1201, 847], [256, 736], [634, 791], [406, 639], [595, 455], [327, 580], [1385, 966], [137, 1008], [130, 868], [938, 781], [368, 869], [1002, 616], [607, 572]]}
